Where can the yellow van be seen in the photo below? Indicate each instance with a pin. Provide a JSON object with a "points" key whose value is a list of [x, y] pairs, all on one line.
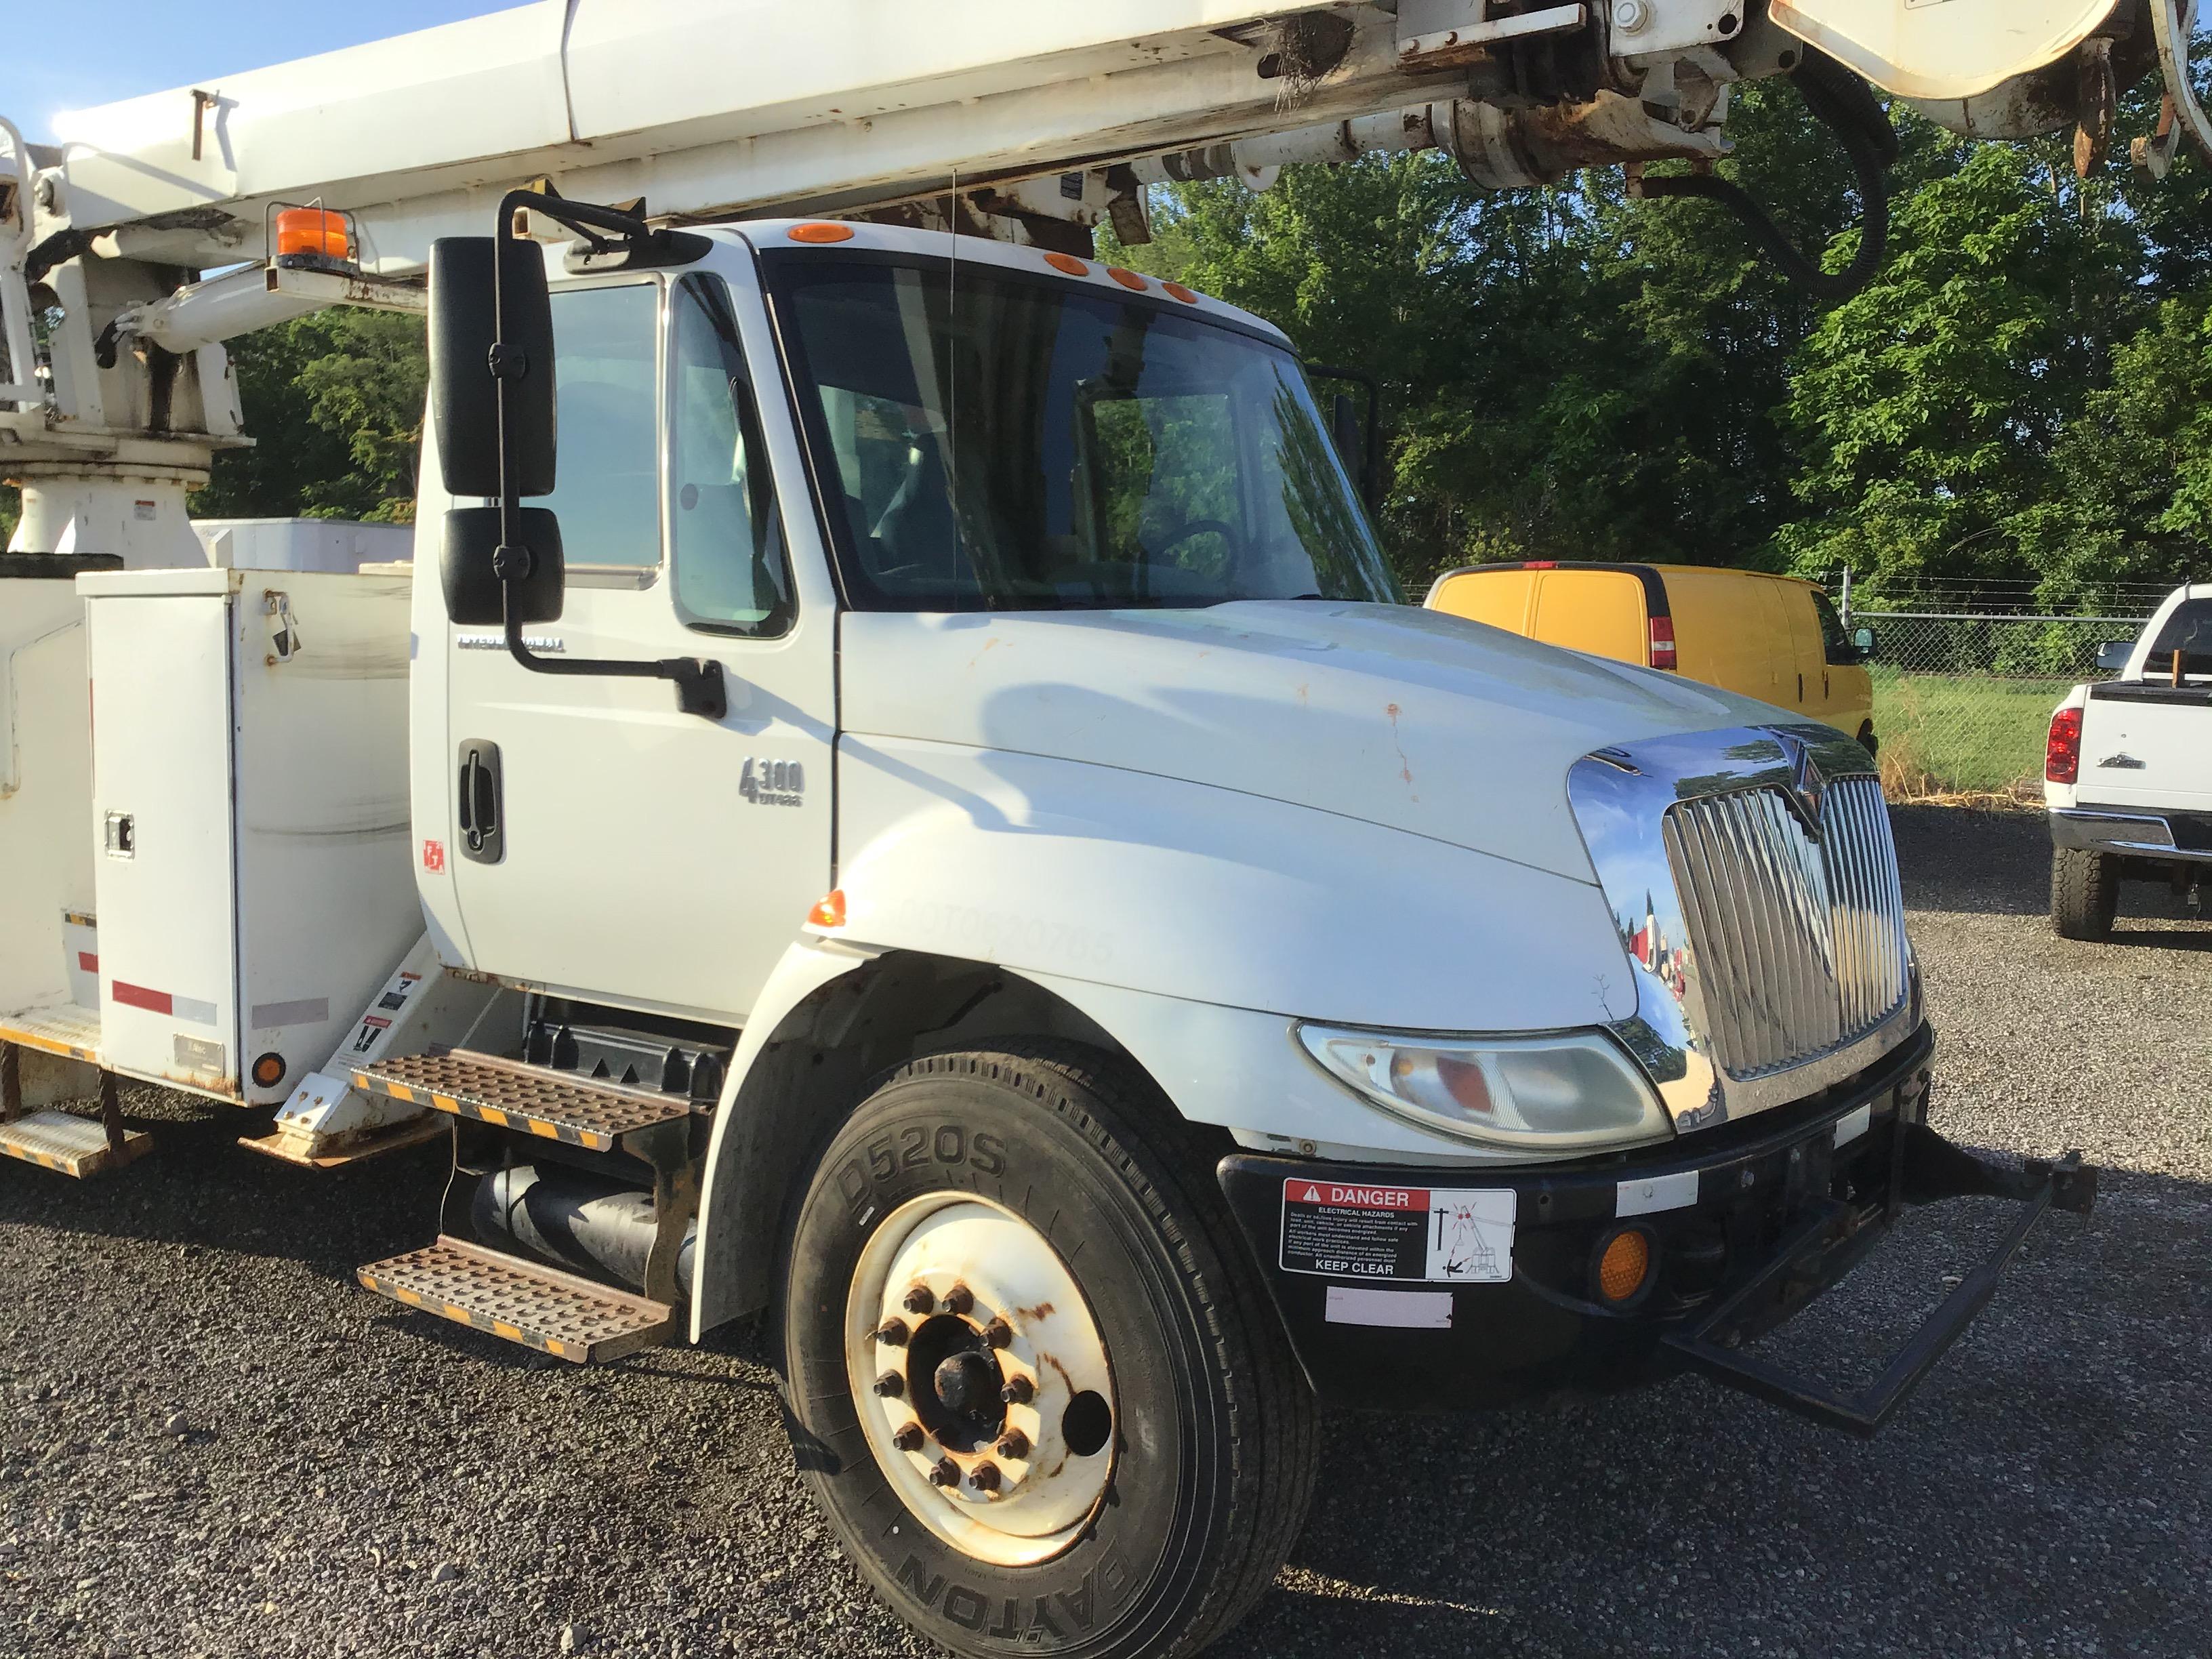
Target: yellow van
{"points": [[1776, 638]]}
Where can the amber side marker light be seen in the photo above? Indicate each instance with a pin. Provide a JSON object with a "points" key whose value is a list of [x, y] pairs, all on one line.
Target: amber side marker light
{"points": [[829, 912], [1625, 1266], [822, 231], [1177, 291], [1129, 279], [1069, 263]]}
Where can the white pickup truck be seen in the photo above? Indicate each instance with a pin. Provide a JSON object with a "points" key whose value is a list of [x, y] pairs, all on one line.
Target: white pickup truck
{"points": [[2128, 773]]}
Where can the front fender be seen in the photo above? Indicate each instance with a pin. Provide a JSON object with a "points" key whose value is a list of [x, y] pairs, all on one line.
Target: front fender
{"points": [[1152, 885]]}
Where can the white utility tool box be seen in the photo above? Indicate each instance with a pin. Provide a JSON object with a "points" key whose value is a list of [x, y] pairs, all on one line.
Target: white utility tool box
{"points": [[249, 818]]}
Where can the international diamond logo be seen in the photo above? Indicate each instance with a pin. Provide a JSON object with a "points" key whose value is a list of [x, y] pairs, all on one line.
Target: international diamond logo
{"points": [[1806, 783]]}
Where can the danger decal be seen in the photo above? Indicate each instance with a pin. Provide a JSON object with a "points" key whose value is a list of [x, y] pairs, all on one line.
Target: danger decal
{"points": [[1425, 1234]]}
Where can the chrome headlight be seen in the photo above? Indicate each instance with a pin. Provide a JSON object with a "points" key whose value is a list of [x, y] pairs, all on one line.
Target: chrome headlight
{"points": [[1576, 1091]]}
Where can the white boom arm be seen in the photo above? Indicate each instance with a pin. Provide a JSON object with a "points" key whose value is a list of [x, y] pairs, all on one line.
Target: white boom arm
{"points": [[1025, 119]]}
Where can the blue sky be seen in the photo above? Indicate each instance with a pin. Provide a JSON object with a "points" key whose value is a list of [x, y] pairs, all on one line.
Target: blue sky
{"points": [[94, 51]]}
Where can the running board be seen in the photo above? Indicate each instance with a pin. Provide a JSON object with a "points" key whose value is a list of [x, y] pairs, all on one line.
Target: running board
{"points": [[69, 1145], [62, 1141], [534, 1100], [540, 1308]]}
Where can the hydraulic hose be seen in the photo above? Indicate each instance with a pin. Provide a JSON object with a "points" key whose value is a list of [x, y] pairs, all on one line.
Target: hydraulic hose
{"points": [[1846, 105]]}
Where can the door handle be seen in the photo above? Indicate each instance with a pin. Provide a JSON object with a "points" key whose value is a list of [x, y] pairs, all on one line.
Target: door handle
{"points": [[479, 804]]}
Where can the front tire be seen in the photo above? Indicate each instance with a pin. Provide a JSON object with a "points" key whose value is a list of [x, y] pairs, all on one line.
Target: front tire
{"points": [[1042, 1230], [2085, 892]]}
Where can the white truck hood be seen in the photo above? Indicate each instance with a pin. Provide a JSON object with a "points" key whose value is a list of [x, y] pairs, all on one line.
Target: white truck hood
{"points": [[1396, 716]]}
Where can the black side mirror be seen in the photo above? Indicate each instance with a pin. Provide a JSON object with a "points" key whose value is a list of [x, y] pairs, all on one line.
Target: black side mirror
{"points": [[1344, 427], [1863, 640], [467, 316], [2113, 655], [465, 567]]}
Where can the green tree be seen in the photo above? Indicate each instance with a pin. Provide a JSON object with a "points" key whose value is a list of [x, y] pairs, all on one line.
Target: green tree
{"points": [[1925, 408], [334, 402]]}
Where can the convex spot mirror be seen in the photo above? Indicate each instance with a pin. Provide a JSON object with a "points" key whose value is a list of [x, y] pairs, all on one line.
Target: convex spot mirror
{"points": [[1864, 639], [466, 567], [466, 320]]}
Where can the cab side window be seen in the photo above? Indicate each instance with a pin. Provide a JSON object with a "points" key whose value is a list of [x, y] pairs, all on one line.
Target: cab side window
{"points": [[606, 383], [1836, 644], [725, 535]]}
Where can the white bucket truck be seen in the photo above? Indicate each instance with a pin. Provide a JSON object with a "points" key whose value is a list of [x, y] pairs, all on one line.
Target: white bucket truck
{"points": [[932, 823]]}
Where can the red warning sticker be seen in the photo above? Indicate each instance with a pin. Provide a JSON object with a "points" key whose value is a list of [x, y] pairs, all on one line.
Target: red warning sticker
{"points": [[1428, 1235], [434, 856]]}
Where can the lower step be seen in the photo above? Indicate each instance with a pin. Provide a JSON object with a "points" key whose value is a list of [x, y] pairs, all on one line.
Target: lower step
{"points": [[541, 1308], [71, 1145]]}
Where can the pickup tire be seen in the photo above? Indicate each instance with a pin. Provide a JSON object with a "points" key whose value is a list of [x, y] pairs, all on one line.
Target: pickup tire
{"points": [[959, 1185], [2085, 892]]}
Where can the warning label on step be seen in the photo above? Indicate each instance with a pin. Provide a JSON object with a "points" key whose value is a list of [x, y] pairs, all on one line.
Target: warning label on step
{"points": [[1426, 1234]]}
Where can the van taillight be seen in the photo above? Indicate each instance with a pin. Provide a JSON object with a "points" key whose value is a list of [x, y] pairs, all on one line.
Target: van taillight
{"points": [[2061, 756], [1662, 641]]}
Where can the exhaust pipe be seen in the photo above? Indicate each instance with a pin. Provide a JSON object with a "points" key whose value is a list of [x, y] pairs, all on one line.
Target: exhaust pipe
{"points": [[568, 1218]]}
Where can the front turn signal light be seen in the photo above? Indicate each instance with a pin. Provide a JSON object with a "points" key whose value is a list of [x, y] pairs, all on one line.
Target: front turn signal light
{"points": [[1623, 1268], [828, 911]]}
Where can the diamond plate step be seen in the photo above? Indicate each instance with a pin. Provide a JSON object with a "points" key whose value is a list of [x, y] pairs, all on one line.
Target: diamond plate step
{"points": [[71, 1145], [510, 1095], [69, 1030], [556, 1313]]}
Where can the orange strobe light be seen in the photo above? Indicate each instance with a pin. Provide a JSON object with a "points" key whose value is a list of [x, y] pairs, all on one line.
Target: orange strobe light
{"points": [[314, 230]]}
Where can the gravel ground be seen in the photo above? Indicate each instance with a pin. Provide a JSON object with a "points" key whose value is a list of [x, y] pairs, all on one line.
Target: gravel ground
{"points": [[213, 1444]]}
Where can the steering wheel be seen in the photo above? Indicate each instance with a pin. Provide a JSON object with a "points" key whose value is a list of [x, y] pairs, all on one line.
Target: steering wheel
{"points": [[1182, 532]]}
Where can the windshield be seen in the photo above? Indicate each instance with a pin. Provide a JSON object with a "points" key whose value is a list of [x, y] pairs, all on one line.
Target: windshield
{"points": [[1005, 442]]}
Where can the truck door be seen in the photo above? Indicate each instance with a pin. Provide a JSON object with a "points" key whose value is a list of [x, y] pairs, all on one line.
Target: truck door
{"points": [[601, 842]]}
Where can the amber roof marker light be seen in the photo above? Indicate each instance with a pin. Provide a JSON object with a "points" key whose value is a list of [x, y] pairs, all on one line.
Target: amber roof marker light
{"points": [[820, 231]]}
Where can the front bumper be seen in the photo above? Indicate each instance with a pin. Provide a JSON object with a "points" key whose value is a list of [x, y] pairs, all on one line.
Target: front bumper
{"points": [[1745, 1227], [2185, 837]]}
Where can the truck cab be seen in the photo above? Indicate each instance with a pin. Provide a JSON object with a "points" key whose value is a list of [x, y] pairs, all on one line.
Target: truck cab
{"points": [[997, 878]]}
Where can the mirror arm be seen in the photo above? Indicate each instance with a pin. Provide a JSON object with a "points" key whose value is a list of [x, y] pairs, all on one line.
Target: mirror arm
{"points": [[1370, 481], [700, 688]]}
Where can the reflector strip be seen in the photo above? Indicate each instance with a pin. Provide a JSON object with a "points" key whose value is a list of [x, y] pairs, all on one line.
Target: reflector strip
{"points": [[138, 996], [161, 1002]]}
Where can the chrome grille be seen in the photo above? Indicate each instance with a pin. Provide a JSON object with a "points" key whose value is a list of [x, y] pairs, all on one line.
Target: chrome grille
{"points": [[1800, 941]]}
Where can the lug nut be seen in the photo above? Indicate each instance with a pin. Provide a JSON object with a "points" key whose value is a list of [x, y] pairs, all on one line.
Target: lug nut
{"points": [[945, 1473], [1013, 1446], [999, 1334], [920, 1301], [908, 1437], [986, 1478], [890, 1385], [1018, 1391], [960, 1300], [892, 1331]]}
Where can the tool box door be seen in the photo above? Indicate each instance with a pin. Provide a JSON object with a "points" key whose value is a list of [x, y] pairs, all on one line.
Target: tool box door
{"points": [[162, 716]]}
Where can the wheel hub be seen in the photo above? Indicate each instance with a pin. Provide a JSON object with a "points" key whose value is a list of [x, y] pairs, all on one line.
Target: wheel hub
{"points": [[980, 1378]]}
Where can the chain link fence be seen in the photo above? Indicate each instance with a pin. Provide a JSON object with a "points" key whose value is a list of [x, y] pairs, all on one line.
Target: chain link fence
{"points": [[1962, 700]]}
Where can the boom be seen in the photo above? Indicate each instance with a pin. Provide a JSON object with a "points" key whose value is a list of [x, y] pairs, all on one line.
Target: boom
{"points": [[1031, 123]]}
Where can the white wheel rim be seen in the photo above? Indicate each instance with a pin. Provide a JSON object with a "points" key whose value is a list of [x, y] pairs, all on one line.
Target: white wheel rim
{"points": [[1016, 1500]]}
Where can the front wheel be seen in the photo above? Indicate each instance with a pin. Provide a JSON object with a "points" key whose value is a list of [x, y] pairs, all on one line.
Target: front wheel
{"points": [[2085, 892], [1036, 1386]]}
